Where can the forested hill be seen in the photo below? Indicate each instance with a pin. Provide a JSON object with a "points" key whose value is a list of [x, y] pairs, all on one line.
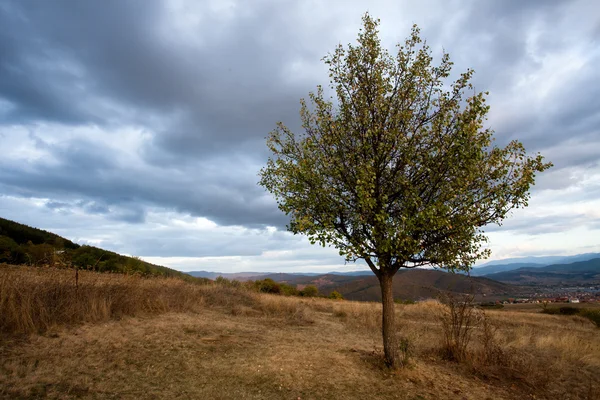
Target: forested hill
{"points": [[23, 245], [22, 234]]}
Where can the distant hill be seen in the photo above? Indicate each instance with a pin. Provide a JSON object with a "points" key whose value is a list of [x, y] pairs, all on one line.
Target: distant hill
{"points": [[413, 284], [245, 276], [492, 269], [509, 264], [582, 272], [352, 273], [240, 276], [22, 244]]}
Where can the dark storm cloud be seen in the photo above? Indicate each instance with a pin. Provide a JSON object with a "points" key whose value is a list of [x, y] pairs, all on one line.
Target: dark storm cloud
{"points": [[207, 92], [224, 86]]}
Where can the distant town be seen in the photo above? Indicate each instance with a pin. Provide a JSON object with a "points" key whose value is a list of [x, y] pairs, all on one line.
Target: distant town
{"points": [[572, 294]]}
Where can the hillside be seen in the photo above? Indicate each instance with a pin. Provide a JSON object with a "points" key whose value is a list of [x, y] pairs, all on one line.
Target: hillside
{"points": [[582, 272], [413, 284], [24, 245], [22, 234]]}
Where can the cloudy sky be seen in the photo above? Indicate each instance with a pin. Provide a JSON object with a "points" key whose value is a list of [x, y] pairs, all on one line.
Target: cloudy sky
{"points": [[139, 126]]}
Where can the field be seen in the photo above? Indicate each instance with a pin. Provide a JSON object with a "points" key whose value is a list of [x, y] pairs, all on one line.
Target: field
{"points": [[114, 336]]}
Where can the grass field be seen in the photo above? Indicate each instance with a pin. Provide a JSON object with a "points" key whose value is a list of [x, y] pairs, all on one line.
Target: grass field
{"points": [[134, 338]]}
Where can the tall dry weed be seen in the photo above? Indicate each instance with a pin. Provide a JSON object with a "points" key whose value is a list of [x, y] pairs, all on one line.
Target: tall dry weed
{"points": [[35, 299], [458, 318]]}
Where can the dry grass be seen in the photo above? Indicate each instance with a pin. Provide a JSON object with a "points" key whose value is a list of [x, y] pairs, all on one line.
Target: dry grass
{"points": [[36, 299], [187, 341]]}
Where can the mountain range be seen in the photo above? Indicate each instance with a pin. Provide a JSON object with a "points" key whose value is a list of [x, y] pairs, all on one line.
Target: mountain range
{"points": [[509, 264], [577, 273]]}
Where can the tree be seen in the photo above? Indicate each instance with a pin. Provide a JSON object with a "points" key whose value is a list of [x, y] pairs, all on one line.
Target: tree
{"points": [[335, 295], [309, 291], [399, 170]]}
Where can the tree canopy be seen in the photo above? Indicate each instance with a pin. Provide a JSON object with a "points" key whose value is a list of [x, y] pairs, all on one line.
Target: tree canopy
{"points": [[400, 170], [397, 167]]}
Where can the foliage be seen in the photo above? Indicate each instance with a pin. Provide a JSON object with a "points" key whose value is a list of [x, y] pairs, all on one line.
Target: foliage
{"points": [[22, 234], [21, 244], [492, 305], [335, 295], [398, 169], [309, 291], [406, 350], [38, 254], [268, 285], [10, 251], [288, 290], [407, 301], [592, 315], [561, 310]]}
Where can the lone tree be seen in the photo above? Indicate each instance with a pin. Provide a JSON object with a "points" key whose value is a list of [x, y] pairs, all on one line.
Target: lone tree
{"points": [[399, 171]]}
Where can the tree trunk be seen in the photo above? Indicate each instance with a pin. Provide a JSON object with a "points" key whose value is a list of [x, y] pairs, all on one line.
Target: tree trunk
{"points": [[388, 325]]}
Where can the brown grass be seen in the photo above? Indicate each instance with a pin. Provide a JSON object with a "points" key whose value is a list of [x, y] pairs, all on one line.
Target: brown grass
{"points": [[131, 337], [36, 299]]}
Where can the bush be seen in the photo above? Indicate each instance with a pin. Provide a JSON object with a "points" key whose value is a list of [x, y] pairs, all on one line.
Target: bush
{"points": [[288, 290], [267, 286], [592, 315], [407, 301], [561, 311], [458, 318], [309, 291], [568, 310], [336, 295], [10, 251], [491, 306], [406, 350]]}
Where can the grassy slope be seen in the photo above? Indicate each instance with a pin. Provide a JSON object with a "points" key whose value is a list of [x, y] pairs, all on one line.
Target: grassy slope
{"points": [[225, 343]]}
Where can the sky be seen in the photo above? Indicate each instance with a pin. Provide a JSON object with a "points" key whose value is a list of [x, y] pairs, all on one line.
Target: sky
{"points": [[139, 126]]}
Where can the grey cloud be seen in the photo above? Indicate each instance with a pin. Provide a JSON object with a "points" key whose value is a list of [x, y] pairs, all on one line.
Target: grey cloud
{"points": [[94, 208], [208, 96], [54, 205], [86, 170], [545, 224]]}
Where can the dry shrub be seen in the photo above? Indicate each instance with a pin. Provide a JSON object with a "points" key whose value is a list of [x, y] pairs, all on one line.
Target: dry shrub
{"points": [[35, 299], [458, 318]]}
